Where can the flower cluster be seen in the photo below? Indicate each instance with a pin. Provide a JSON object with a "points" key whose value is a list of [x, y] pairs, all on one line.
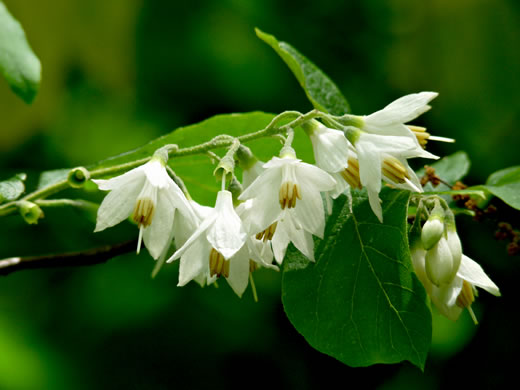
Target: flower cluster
{"points": [[282, 200], [449, 277]]}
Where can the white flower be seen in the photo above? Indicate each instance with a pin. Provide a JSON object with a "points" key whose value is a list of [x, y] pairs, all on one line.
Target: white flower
{"points": [[219, 237], [391, 119], [289, 183], [330, 146], [450, 299], [151, 197], [289, 230], [385, 157]]}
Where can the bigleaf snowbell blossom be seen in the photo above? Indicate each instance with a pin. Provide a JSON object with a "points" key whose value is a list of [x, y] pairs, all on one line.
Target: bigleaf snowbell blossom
{"points": [[289, 184], [392, 119], [458, 295], [384, 157], [150, 197], [219, 237]]}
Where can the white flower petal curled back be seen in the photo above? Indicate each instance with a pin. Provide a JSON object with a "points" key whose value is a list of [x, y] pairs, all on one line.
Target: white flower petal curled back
{"points": [[391, 119], [149, 181]]}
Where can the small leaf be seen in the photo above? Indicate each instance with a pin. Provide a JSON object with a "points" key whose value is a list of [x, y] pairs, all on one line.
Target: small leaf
{"points": [[48, 178], [505, 184], [12, 188], [320, 89], [450, 169], [360, 302], [18, 63]]}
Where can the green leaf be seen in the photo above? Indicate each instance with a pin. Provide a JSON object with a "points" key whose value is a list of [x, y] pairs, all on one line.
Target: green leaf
{"points": [[360, 302], [450, 169], [18, 63], [505, 184], [12, 188], [197, 171], [48, 178], [321, 91]]}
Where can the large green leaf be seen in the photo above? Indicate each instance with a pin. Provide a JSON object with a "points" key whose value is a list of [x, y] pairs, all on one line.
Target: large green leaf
{"points": [[197, 170], [12, 188], [18, 63], [360, 302], [450, 169], [505, 184], [320, 89]]}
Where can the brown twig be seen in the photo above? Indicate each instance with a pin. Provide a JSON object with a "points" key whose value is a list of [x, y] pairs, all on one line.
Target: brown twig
{"points": [[72, 259]]}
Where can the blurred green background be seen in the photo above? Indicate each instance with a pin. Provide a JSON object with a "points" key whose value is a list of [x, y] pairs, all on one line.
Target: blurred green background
{"points": [[117, 74]]}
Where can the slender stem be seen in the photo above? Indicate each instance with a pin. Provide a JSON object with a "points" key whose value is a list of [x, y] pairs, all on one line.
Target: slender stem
{"points": [[220, 141]]}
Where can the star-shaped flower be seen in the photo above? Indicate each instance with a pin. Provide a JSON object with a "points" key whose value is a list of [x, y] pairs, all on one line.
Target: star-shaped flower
{"points": [[289, 183], [150, 196]]}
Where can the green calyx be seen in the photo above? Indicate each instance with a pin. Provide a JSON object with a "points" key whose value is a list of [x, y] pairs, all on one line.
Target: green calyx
{"points": [[30, 212], [78, 176], [353, 134], [310, 126]]}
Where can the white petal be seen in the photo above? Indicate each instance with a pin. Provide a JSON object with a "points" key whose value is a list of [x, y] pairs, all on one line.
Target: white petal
{"points": [[321, 180], [280, 242], [118, 204], [309, 210], [200, 232], [268, 181], [418, 261], [473, 273], [127, 178], [156, 174], [403, 109], [330, 149], [156, 235], [239, 271], [226, 234], [445, 299], [303, 241], [195, 261]]}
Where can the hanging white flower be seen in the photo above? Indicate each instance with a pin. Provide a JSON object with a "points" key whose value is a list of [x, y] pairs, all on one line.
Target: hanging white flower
{"points": [[150, 197], [331, 148], [384, 157], [289, 183], [450, 299], [219, 237]]}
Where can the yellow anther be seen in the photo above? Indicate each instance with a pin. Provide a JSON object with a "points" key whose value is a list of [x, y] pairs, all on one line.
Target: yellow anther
{"points": [[268, 233], [143, 212], [466, 296], [421, 135], [351, 173], [289, 192], [394, 170], [217, 264]]}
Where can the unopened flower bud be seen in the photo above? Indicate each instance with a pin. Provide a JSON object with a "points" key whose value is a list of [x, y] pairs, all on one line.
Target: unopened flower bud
{"points": [[30, 212], [433, 229], [439, 263]]}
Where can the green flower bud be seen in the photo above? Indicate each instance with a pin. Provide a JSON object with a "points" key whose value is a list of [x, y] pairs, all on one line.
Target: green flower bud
{"points": [[246, 158], [30, 212], [78, 176]]}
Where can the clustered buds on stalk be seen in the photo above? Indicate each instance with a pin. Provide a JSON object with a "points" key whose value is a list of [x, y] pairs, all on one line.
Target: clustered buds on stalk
{"points": [[448, 276], [280, 202]]}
